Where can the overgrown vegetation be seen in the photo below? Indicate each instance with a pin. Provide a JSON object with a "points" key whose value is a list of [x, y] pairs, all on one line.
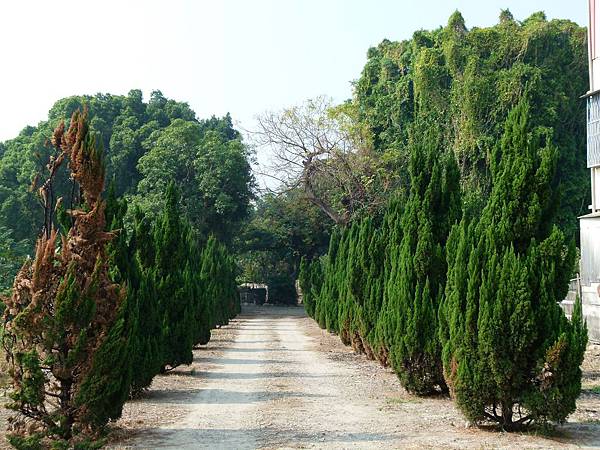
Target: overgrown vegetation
{"points": [[208, 163]]}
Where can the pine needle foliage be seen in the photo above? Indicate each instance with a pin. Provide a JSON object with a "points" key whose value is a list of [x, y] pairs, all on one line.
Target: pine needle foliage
{"points": [[509, 353]]}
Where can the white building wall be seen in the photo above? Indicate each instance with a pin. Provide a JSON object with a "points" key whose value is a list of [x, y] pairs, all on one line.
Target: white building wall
{"points": [[594, 44], [588, 286]]}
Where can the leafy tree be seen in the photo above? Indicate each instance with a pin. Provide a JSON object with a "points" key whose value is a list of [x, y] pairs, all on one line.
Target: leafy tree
{"points": [[321, 151], [128, 128], [212, 173], [12, 256], [281, 230]]}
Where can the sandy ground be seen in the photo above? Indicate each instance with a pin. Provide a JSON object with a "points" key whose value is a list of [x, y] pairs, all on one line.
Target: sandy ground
{"points": [[272, 379]]}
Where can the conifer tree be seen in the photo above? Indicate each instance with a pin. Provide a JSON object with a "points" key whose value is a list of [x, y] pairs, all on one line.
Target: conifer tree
{"points": [[418, 274], [510, 355], [173, 283], [62, 325], [369, 312], [311, 280], [329, 291], [348, 289], [145, 324], [304, 280]]}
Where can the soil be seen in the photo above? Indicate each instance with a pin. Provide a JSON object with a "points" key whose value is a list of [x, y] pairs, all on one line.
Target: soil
{"points": [[272, 379]]}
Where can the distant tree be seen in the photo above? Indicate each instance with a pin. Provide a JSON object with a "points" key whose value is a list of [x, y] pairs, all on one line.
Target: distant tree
{"points": [[318, 149], [281, 230], [12, 257], [212, 173]]}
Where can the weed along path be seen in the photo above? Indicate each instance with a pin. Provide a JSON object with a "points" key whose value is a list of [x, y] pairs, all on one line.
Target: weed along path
{"points": [[273, 379]]}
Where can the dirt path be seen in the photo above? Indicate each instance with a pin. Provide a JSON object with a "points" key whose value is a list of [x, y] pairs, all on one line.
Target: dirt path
{"points": [[273, 379]]}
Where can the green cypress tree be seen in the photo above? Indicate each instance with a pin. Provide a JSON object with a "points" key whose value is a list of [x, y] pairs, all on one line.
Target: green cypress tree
{"points": [[390, 238], [329, 292], [416, 271], [146, 330], [304, 280], [345, 304], [311, 280], [510, 356], [218, 296], [173, 279], [373, 289]]}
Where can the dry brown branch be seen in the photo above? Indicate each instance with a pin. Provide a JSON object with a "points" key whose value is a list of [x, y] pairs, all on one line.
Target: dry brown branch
{"points": [[317, 150]]}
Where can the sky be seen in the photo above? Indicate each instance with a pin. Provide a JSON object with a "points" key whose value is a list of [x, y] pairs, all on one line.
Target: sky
{"points": [[237, 56]]}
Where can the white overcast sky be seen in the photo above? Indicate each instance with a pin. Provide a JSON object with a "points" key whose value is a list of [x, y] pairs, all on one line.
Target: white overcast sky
{"points": [[237, 56]]}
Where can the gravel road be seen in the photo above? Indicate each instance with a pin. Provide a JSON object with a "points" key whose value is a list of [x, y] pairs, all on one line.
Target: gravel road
{"points": [[273, 379]]}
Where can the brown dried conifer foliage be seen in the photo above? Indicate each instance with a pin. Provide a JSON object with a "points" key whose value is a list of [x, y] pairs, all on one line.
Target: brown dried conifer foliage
{"points": [[63, 302]]}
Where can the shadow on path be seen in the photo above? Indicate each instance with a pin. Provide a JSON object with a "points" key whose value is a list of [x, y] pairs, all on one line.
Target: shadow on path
{"points": [[222, 396]]}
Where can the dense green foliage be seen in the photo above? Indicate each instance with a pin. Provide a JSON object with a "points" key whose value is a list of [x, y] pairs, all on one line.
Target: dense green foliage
{"points": [[415, 283], [379, 287], [510, 355], [12, 256], [206, 159], [493, 117], [179, 288], [454, 175], [281, 230], [467, 80], [97, 314]]}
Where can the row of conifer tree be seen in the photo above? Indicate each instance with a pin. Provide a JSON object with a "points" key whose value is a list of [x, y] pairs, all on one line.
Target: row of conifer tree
{"points": [[104, 306], [179, 287], [460, 300]]}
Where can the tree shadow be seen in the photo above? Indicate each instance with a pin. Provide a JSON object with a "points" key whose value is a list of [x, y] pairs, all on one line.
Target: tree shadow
{"points": [[226, 361], [184, 438], [221, 396], [253, 376], [254, 350]]}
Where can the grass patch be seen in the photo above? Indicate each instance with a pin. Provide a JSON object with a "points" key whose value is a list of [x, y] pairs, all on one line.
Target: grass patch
{"points": [[401, 400], [592, 390]]}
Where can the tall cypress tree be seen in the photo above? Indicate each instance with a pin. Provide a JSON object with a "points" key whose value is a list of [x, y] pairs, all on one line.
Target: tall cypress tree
{"points": [[329, 292], [347, 279], [311, 280], [510, 355], [418, 275], [391, 237], [172, 275]]}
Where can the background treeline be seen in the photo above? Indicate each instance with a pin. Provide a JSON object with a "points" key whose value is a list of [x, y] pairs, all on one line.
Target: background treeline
{"points": [[465, 81], [207, 161], [459, 82], [454, 278]]}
